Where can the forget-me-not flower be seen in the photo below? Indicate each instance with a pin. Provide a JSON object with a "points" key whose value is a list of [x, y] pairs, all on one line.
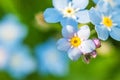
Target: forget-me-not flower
{"points": [[67, 12], [106, 22], [50, 60], [11, 30], [4, 57], [21, 63], [76, 42]]}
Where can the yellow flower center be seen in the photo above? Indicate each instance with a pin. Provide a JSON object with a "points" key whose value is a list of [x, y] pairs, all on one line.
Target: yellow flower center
{"points": [[68, 12], [75, 41], [107, 22]]}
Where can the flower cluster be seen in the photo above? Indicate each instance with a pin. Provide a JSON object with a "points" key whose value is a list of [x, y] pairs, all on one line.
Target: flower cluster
{"points": [[75, 41], [15, 57]]}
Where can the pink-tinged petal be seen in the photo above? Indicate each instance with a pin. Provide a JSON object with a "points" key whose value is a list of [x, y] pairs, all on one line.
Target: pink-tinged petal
{"points": [[87, 46], [84, 32], [74, 53]]}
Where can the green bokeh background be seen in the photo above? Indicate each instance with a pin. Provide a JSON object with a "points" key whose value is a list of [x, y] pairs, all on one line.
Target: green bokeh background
{"points": [[105, 67]]}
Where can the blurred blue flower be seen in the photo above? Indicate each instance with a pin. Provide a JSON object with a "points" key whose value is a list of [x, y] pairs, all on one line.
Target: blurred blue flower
{"points": [[11, 31], [21, 63], [4, 57], [68, 12], [76, 42], [50, 60], [106, 21]]}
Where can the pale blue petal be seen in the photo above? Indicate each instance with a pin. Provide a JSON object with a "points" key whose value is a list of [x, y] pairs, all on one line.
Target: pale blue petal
{"points": [[95, 16], [81, 4], [104, 7], [84, 32], [116, 17], [68, 21], [74, 53], [117, 2], [83, 16], [115, 33], [63, 45], [68, 31], [87, 46], [51, 15], [96, 1], [102, 32], [60, 4]]}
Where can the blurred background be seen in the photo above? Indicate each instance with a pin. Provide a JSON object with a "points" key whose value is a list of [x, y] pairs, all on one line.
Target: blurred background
{"points": [[28, 47]]}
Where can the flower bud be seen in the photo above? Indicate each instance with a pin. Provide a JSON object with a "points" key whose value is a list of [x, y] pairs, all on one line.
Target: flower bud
{"points": [[97, 43], [93, 54]]}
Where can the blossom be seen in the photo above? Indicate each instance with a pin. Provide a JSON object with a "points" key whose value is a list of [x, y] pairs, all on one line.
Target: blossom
{"points": [[4, 57], [67, 12], [21, 63], [50, 60], [106, 22], [11, 31], [76, 42]]}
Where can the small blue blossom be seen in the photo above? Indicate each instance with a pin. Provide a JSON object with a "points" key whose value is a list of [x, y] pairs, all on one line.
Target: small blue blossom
{"points": [[76, 42], [67, 12], [11, 31], [50, 60], [4, 57], [106, 22], [21, 63]]}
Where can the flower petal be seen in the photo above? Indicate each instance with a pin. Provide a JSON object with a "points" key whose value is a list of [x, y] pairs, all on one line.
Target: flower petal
{"points": [[102, 32], [95, 16], [68, 31], [87, 46], [51, 15], [74, 53], [63, 45], [81, 4], [104, 7], [96, 1], [84, 32], [68, 21], [83, 16], [60, 4], [115, 33], [116, 17]]}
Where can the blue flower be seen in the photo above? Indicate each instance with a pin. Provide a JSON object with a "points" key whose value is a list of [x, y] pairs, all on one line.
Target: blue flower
{"points": [[67, 12], [11, 30], [4, 57], [76, 42], [50, 60], [106, 22], [21, 63]]}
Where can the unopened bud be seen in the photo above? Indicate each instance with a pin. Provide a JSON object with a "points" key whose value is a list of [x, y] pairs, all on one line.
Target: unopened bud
{"points": [[97, 43], [93, 54]]}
